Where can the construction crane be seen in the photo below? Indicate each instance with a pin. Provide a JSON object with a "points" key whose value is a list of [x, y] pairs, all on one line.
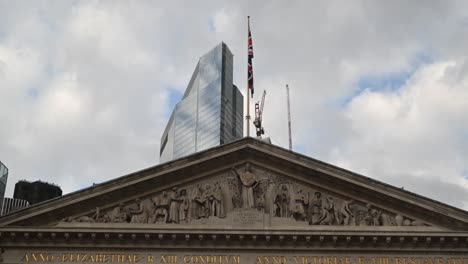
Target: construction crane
{"points": [[289, 119], [258, 116]]}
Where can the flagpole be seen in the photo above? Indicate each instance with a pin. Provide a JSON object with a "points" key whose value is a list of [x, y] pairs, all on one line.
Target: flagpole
{"points": [[247, 117]]}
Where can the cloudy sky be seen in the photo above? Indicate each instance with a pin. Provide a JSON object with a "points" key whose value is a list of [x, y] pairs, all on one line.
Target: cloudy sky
{"points": [[377, 87]]}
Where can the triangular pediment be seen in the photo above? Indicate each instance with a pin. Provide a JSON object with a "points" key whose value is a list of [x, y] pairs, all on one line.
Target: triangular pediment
{"points": [[247, 184]]}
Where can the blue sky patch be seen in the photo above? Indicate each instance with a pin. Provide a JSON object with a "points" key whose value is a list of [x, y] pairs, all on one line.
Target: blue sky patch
{"points": [[49, 70], [388, 82], [33, 93], [174, 97], [211, 24], [392, 82], [465, 173], [298, 148]]}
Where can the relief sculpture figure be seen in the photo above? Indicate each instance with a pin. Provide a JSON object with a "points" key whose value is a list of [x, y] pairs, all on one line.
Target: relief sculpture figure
{"points": [[174, 206], [215, 199], [162, 204], [260, 203], [301, 202], [80, 219], [143, 213], [282, 201], [236, 200], [101, 218], [199, 203], [387, 220], [344, 214], [316, 209], [86, 219], [361, 217], [373, 216], [249, 183], [118, 215], [328, 217], [184, 206]]}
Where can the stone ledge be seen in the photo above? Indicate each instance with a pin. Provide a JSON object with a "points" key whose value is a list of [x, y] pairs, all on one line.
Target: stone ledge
{"points": [[239, 239]]}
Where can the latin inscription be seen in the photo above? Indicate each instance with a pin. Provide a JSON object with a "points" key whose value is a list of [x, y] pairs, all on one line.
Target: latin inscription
{"points": [[247, 217], [62, 258]]}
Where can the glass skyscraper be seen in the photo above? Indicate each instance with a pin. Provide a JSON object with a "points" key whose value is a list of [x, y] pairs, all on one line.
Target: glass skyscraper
{"points": [[210, 112], [3, 182]]}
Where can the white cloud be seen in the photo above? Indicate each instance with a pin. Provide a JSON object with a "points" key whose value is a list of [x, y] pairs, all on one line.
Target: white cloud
{"points": [[415, 132], [64, 102], [84, 85], [223, 22], [19, 68]]}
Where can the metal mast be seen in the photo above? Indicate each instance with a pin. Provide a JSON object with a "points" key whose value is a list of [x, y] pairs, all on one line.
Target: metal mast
{"points": [[289, 118], [247, 117], [259, 116]]}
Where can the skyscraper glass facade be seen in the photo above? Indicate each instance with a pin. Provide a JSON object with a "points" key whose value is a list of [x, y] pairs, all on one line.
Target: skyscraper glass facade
{"points": [[3, 182], [210, 112]]}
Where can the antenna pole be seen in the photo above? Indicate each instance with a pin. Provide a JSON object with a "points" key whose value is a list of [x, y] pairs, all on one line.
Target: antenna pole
{"points": [[289, 118], [247, 117]]}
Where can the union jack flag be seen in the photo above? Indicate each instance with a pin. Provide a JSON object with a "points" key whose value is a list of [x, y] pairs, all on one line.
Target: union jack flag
{"points": [[249, 62]]}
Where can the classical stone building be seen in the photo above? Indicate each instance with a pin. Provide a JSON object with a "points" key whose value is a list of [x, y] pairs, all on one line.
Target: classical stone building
{"points": [[243, 202]]}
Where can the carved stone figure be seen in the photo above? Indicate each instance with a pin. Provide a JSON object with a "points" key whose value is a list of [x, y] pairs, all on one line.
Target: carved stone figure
{"points": [[277, 206], [368, 218], [361, 217], [199, 203], [174, 206], [103, 219], [316, 210], [282, 201], [80, 219], [161, 203], [85, 219], [100, 218], [301, 202], [417, 223], [373, 216], [215, 200], [135, 210], [344, 214], [386, 220], [399, 220], [328, 216], [249, 183], [209, 199], [118, 214], [236, 200], [184, 206], [261, 193], [260, 200], [144, 212]]}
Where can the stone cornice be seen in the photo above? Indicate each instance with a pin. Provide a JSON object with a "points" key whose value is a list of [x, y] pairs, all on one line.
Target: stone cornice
{"points": [[411, 241]]}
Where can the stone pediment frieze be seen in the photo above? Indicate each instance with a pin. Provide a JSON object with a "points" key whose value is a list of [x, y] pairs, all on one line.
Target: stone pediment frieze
{"points": [[246, 196], [247, 184]]}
